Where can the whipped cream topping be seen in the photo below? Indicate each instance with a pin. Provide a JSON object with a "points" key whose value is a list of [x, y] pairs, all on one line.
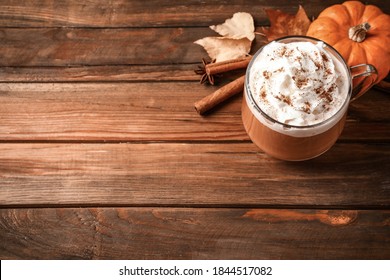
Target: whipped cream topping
{"points": [[298, 83]]}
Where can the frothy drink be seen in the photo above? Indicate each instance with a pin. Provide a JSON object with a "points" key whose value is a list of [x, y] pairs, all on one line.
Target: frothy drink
{"points": [[296, 97]]}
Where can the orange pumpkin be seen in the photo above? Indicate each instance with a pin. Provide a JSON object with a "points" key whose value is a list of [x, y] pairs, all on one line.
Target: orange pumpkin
{"points": [[360, 33]]}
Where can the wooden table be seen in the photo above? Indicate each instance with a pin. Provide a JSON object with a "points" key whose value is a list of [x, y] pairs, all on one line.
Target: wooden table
{"points": [[102, 155]]}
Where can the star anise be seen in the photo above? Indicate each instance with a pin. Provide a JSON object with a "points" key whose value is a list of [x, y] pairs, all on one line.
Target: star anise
{"points": [[202, 71]]}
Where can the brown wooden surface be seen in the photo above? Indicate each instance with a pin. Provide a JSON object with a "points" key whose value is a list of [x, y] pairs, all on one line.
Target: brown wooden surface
{"points": [[193, 233], [102, 155]]}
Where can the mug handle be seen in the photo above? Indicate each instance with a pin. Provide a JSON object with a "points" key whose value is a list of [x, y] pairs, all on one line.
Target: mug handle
{"points": [[364, 77]]}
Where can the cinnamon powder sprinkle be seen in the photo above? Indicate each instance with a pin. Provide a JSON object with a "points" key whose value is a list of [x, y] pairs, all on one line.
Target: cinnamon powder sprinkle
{"points": [[307, 107], [318, 65], [282, 51], [281, 69], [326, 94], [285, 98], [299, 82], [324, 57]]}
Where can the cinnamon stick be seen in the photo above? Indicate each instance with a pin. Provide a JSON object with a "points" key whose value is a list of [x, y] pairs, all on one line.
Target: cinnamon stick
{"points": [[220, 95], [227, 65]]}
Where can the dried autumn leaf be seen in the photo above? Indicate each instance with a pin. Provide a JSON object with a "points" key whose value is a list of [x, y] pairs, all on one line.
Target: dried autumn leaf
{"points": [[283, 24], [239, 26], [222, 48], [238, 34]]}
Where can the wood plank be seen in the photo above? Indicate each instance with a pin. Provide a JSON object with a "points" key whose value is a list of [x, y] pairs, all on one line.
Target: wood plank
{"points": [[112, 111], [59, 47], [104, 73], [188, 233], [232, 174], [122, 13], [130, 111], [75, 47]]}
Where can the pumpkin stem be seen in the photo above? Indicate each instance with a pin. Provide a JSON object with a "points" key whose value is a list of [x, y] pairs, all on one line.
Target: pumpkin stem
{"points": [[358, 33]]}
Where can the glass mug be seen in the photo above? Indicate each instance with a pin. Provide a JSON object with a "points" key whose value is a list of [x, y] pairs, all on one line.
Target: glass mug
{"points": [[295, 142]]}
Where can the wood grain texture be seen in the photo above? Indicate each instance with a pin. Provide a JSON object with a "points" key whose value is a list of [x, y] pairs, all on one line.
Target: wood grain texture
{"points": [[102, 155], [75, 47], [237, 175], [104, 73], [59, 47], [130, 111], [135, 13], [193, 233]]}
